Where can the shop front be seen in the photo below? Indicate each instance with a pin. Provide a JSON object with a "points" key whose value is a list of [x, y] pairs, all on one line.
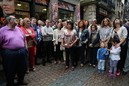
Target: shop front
{"points": [[22, 9], [65, 11], [41, 9]]}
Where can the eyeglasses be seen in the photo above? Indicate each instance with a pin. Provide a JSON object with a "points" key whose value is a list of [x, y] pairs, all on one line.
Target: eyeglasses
{"points": [[14, 19]]}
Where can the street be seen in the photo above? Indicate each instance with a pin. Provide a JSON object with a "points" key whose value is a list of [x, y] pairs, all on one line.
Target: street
{"points": [[56, 75]]}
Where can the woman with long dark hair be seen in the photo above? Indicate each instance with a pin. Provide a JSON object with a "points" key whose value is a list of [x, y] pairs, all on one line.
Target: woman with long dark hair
{"points": [[69, 42], [122, 34]]}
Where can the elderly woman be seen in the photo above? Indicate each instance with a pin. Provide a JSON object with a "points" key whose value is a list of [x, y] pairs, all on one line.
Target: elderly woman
{"points": [[30, 41]]}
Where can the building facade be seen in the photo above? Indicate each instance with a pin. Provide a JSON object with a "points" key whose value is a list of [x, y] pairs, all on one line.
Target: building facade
{"points": [[126, 11], [119, 9], [46, 9], [97, 9]]}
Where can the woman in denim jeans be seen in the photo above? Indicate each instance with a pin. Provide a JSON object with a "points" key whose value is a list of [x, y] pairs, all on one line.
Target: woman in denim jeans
{"points": [[83, 35]]}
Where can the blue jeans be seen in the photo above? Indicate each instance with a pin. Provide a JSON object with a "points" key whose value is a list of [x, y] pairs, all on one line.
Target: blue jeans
{"points": [[14, 62], [101, 64], [113, 66]]}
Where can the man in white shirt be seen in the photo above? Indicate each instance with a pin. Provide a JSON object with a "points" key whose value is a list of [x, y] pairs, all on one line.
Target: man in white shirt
{"points": [[47, 33]]}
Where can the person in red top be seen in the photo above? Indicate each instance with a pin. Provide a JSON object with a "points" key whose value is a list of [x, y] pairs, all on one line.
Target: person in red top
{"points": [[30, 42]]}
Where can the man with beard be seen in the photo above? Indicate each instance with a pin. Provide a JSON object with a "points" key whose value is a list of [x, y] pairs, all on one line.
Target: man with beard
{"points": [[14, 53]]}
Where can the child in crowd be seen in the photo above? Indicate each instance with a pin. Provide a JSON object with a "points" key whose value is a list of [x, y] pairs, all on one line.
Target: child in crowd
{"points": [[102, 55], [114, 57]]}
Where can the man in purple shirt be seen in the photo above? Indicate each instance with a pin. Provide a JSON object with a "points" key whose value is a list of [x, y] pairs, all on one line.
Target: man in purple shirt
{"points": [[13, 51]]}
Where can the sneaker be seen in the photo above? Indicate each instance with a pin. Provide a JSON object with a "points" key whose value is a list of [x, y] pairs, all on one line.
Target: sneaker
{"points": [[118, 73], [59, 62], [93, 66], [73, 68], [66, 67], [90, 64], [82, 65], [55, 62]]}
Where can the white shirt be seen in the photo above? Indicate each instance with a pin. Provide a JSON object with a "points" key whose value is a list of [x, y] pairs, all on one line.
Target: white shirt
{"points": [[46, 30], [58, 36], [122, 32], [47, 33], [115, 53]]}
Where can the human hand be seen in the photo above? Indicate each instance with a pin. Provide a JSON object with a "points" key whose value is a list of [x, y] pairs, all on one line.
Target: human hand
{"points": [[90, 45], [118, 45]]}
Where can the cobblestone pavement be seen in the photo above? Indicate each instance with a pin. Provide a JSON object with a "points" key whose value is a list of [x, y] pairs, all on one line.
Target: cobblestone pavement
{"points": [[56, 75]]}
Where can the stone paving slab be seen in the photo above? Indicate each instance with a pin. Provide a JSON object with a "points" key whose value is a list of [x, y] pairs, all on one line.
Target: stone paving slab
{"points": [[56, 75], [74, 78]]}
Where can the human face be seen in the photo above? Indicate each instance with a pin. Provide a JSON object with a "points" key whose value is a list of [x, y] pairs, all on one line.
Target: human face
{"points": [[69, 26], [47, 23], [117, 23], [33, 21], [86, 23], [81, 24], [59, 25], [102, 45], [21, 22], [105, 22], [7, 6], [93, 28], [26, 22], [12, 21]]}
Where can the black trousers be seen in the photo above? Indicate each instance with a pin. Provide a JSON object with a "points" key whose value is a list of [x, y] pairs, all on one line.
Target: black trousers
{"points": [[81, 53], [58, 52], [123, 55], [39, 51], [71, 54], [93, 55], [14, 62], [48, 50]]}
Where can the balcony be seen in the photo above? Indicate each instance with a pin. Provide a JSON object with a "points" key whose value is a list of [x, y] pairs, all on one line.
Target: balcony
{"points": [[86, 2]]}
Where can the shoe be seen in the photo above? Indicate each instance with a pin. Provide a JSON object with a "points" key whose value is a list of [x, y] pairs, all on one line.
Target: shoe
{"points": [[59, 62], [90, 64], [93, 66], [118, 73], [73, 68], [81, 65], [33, 69], [66, 67], [22, 83], [55, 62], [27, 72]]}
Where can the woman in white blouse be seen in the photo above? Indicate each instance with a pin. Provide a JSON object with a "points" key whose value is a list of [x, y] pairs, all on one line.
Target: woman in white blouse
{"points": [[122, 35], [105, 31], [57, 39]]}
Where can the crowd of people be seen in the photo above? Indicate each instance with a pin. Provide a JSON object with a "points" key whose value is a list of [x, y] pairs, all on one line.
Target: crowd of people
{"points": [[23, 41]]}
